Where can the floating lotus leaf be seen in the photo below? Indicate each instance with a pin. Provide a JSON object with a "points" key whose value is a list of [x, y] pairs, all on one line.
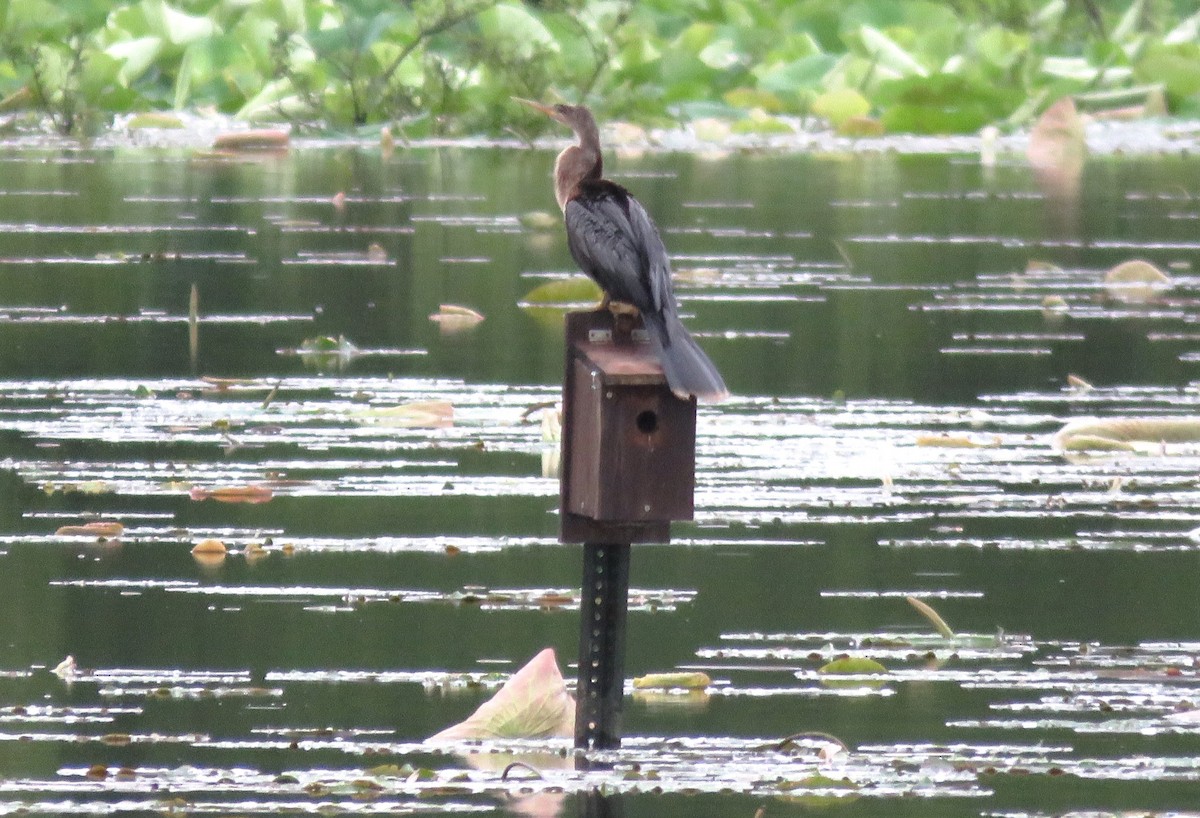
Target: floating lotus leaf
{"points": [[324, 343], [425, 414], [391, 771], [817, 781], [840, 105], [540, 220], [860, 126], [576, 291], [673, 698], [710, 129], [325, 352], [233, 494], [808, 791], [534, 703], [1094, 443], [687, 681], [97, 528], [948, 442], [270, 139], [153, 119], [1136, 282], [852, 665]]}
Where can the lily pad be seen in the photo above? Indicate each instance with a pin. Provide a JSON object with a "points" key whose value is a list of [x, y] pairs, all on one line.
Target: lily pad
{"points": [[947, 441], [841, 104], [233, 494], [847, 665], [153, 119], [271, 139], [694, 680], [540, 220], [576, 291], [96, 528], [425, 414]]}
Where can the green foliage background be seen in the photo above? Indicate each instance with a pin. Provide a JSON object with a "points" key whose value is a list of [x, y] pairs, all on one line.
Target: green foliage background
{"points": [[450, 67]]}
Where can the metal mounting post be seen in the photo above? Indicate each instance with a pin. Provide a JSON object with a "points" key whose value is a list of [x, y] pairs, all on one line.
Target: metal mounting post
{"points": [[603, 608]]}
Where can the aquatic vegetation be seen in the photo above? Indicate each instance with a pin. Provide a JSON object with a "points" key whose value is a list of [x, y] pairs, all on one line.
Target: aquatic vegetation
{"points": [[892, 442], [1147, 435], [434, 68], [1057, 150], [261, 139], [1136, 282], [453, 319], [691, 681], [533, 703], [573, 292]]}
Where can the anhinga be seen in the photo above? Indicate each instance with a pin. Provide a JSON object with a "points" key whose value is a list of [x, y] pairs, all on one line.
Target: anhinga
{"points": [[614, 241]]}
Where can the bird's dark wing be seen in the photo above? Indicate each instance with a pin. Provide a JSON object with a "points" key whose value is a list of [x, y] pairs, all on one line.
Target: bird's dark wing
{"points": [[658, 266], [612, 238]]}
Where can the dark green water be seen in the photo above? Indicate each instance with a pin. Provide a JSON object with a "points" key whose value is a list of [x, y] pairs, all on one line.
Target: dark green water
{"points": [[854, 304]]}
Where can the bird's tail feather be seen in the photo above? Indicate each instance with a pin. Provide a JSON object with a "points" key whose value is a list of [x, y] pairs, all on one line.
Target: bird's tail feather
{"points": [[689, 371]]}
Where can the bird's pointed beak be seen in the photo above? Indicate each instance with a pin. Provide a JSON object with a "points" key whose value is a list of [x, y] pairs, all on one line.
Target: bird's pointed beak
{"points": [[537, 106]]}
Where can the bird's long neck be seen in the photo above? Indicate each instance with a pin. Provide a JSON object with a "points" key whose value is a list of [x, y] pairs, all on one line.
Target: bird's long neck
{"points": [[575, 165]]}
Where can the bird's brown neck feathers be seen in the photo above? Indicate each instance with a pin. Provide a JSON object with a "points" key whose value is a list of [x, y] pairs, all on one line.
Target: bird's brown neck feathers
{"points": [[578, 163]]}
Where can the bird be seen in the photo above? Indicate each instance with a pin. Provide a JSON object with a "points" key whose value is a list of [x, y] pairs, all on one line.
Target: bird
{"points": [[613, 239]]}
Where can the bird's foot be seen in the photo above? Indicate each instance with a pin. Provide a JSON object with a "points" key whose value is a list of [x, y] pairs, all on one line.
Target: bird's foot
{"points": [[619, 308]]}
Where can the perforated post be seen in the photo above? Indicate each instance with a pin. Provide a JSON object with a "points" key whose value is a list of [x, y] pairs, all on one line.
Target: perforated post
{"points": [[603, 608]]}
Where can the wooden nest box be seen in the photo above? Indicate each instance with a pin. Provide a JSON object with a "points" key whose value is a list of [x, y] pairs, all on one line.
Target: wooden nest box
{"points": [[629, 444]]}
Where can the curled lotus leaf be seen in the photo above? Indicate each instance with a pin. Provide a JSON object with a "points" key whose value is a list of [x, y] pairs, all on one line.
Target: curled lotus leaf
{"points": [[929, 613], [1126, 434], [1057, 141], [1057, 150], [452, 318], [1136, 282], [533, 703], [210, 546]]}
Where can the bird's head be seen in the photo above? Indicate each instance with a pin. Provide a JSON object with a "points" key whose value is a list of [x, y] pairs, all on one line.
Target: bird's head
{"points": [[576, 117]]}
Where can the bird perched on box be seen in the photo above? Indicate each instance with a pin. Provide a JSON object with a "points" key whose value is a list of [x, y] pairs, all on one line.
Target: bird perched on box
{"points": [[614, 241]]}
